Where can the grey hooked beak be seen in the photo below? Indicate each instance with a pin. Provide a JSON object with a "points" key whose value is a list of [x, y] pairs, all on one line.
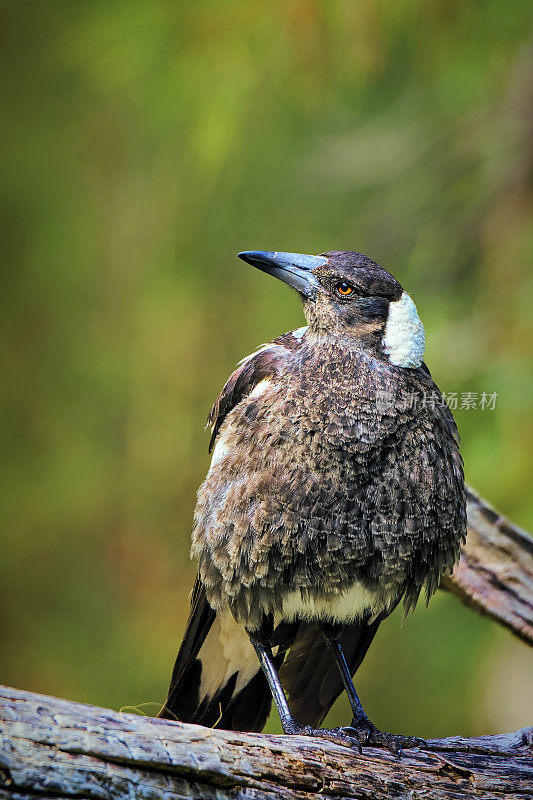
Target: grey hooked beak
{"points": [[293, 269]]}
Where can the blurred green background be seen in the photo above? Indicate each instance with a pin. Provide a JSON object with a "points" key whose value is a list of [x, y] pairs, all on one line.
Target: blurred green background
{"points": [[145, 143]]}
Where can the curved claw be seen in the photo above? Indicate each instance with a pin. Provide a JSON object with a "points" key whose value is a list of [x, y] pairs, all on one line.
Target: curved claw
{"points": [[346, 739], [368, 734]]}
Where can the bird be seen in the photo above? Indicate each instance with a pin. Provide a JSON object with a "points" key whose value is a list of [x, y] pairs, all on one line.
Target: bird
{"points": [[335, 492]]}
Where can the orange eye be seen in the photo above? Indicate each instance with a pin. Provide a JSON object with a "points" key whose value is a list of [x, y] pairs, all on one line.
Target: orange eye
{"points": [[344, 289]]}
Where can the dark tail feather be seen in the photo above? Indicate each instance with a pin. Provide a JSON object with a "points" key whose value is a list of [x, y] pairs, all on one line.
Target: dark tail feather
{"points": [[181, 701]]}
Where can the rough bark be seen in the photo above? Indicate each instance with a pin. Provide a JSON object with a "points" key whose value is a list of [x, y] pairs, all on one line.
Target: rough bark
{"points": [[56, 748], [495, 572]]}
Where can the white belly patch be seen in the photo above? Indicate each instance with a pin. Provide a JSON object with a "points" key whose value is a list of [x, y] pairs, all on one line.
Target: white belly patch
{"points": [[346, 607]]}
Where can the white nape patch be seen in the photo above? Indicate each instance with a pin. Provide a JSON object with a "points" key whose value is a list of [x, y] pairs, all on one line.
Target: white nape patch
{"points": [[348, 606], [404, 341], [227, 649]]}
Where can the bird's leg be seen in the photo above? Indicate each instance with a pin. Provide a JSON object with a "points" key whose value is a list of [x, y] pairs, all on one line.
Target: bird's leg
{"points": [[288, 722], [361, 726]]}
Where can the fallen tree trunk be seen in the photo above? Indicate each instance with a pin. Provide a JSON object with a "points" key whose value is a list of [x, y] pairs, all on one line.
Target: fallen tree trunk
{"points": [[56, 748], [495, 573]]}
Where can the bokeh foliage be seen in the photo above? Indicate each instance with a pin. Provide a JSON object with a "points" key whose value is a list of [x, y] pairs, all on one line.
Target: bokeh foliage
{"points": [[144, 144]]}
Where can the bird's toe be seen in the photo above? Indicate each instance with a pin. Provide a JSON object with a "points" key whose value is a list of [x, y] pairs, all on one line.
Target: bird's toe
{"points": [[369, 735], [341, 736]]}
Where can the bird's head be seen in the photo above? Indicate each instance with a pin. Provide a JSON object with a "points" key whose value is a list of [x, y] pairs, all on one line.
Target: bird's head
{"points": [[346, 294]]}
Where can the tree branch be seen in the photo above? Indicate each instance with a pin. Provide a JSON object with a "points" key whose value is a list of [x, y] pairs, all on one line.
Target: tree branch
{"points": [[55, 748], [495, 573]]}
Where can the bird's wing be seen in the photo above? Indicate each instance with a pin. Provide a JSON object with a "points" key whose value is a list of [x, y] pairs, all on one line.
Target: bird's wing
{"points": [[263, 363]]}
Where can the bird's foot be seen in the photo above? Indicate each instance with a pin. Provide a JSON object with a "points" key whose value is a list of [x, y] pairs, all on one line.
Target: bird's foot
{"points": [[367, 734], [342, 736]]}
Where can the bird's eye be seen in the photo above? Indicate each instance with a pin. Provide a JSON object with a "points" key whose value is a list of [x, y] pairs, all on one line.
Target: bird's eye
{"points": [[344, 289]]}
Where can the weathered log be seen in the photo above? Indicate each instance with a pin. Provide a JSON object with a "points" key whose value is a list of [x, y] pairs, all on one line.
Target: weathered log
{"points": [[495, 573], [56, 748]]}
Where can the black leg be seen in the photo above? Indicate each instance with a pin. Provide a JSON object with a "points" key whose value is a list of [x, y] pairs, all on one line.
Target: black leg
{"points": [[289, 724], [361, 726], [264, 654], [334, 645]]}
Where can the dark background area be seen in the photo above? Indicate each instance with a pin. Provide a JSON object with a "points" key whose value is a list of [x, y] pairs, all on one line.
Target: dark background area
{"points": [[144, 144]]}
